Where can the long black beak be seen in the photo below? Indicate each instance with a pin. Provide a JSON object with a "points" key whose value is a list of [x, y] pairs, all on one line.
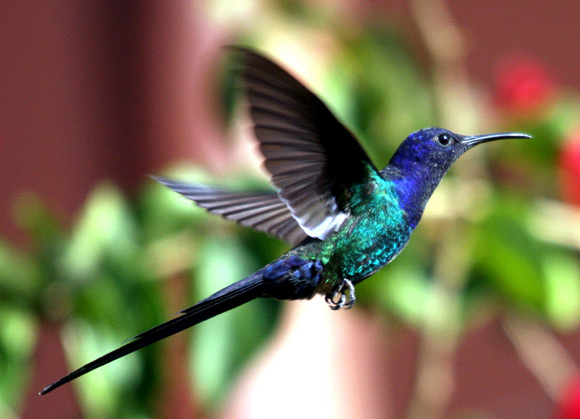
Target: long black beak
{"points": [[473, 140]]}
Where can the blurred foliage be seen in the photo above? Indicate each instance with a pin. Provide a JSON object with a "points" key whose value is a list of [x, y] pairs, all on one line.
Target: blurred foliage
{"points": [[108, 276]]}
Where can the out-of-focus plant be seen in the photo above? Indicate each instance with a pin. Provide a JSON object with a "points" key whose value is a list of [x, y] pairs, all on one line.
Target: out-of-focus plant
{"points": [[104, 280], [509, 244]]}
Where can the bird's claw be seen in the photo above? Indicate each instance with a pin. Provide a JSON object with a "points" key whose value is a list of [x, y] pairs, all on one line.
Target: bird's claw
{"points": [[343, 301]]}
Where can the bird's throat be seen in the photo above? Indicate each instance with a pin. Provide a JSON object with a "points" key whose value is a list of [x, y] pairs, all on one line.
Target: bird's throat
{"points": [[414, 190]]}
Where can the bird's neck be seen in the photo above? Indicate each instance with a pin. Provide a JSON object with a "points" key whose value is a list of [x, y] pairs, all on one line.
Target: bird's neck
{"points": [[414, 185]]}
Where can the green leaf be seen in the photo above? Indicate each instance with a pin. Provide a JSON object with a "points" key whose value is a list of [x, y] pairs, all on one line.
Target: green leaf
{"points": [[508, 258], [20, 282], [103, 391], [223, 343], [562, 296], [106, 228], [17, 341]]}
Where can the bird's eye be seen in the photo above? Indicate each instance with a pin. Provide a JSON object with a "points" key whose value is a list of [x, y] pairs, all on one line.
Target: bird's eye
{"points": [[444, 139]]}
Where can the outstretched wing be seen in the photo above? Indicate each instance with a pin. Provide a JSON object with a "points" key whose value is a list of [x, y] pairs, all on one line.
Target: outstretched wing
{"points": [[314, 160], [261, 211]]}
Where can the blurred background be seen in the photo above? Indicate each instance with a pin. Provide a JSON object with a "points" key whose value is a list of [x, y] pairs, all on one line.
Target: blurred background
{"points": [[479, 315]]}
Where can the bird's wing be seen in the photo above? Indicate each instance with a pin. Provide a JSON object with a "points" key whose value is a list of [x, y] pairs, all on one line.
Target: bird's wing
{"points": [[261, 211], [314, 160]]}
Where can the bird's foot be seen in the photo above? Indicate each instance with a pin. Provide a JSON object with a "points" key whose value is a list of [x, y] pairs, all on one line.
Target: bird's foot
{"points": [[343, 301]]}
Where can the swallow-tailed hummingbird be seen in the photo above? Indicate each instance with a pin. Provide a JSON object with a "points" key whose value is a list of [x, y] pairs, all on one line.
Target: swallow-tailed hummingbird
{"points": [[346, 218]]}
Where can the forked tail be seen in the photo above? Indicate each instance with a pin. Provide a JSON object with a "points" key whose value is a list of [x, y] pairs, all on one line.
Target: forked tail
{"points": [[228, 298]]}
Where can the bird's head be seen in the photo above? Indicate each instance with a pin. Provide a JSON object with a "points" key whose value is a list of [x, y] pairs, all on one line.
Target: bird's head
{"points": [[423, 158], [436, 149]]}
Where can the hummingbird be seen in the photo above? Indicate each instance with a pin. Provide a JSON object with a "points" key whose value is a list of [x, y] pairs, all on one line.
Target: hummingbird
{"points": [[344, 218]]}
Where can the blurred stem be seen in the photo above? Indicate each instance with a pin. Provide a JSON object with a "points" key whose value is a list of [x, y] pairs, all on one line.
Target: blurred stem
{"points": [[6, 412], [564, 223], [453, 94], [542, 354], [441, 330], [177, 398], [442, 327]]}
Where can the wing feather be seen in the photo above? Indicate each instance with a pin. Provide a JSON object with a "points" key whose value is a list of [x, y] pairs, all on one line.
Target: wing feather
{"points": [[313, 159], [262, 211]]}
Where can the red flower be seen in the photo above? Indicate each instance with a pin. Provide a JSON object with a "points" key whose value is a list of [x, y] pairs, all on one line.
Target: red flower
{"points": [[569, 169], [569, 405], [522, 85]]}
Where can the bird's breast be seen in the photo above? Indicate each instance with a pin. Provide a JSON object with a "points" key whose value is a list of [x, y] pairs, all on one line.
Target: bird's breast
{"points": [[371, 238]]}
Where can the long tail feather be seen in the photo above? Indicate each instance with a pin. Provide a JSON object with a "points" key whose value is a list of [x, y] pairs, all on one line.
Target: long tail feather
{"points": [[220, 302]]}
